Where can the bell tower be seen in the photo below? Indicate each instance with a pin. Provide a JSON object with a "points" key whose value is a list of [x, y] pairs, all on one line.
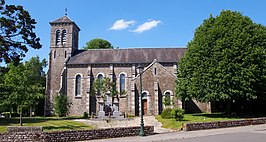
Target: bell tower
{"points": [[63, 43]]}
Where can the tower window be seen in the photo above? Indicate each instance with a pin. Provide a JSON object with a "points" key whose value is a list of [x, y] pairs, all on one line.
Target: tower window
{"points": [[78, 86], [65, 54], [64, 37], [55, 54], [57, 37]]}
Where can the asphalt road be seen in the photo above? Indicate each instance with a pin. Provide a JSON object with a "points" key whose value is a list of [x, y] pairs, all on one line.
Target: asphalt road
{"points": [[255, 133]]}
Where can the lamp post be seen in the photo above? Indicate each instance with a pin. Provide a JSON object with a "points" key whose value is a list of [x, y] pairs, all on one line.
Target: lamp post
{"points": [[141, 132]]}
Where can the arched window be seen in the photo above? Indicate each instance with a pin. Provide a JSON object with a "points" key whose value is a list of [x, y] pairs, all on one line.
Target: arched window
{"points": [[57, 37], [100, 77], [122, 84], [64, 37], [167, 99], [144, 95], [78, 86]]}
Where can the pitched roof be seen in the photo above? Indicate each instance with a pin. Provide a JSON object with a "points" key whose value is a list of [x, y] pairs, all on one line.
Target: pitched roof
{"points": [[63, 19], [133, 55]]}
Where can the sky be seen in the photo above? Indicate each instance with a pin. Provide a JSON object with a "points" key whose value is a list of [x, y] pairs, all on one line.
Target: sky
{"points": [[133, 23]]}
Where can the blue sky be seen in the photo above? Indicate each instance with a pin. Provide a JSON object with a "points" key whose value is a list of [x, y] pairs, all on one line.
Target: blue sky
{"points": [[134, 23]]}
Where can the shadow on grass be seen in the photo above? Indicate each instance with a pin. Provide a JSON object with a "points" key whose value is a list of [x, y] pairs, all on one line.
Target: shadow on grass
{"points": [[15, 120], [67, 127]]}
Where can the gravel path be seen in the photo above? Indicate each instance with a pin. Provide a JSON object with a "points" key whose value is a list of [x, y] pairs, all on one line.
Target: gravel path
{"points": [[148, 120]]}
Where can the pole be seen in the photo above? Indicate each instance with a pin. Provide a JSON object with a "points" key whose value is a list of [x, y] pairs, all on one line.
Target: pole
{"points": [[141, 133]]}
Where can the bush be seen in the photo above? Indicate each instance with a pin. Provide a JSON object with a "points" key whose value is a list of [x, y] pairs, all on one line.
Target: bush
{"points": [[177, 113], [85, 115], [61, 105], [166, 114]]}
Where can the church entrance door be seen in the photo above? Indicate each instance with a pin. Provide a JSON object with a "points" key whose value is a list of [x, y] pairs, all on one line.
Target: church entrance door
{"points": [[145, 108]]}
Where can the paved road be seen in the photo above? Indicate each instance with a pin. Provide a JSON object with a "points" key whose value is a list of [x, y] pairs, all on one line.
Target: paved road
{"points": [[256, 133]]}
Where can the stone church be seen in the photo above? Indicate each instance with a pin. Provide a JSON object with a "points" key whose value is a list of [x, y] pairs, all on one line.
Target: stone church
{"points": [[72, 72]]}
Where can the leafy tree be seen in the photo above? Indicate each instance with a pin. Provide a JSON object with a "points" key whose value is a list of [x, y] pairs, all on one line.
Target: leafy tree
{"points": [[26, 82], [5, 90], [61, 105], [16, 33], [98, 43], [102, 86], [225, 61]]}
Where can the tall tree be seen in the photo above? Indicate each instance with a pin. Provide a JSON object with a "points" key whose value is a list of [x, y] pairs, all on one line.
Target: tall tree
{"points": [[27, 83], [224, 61], [98, 43], [17, 33], [5, 90]]}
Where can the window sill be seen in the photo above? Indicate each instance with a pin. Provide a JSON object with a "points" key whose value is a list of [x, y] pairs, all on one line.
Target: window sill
{"points": [[78, 97], [122, 96]]}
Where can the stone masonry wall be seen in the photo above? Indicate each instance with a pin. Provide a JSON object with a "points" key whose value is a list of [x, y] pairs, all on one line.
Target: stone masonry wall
{"points": [[223, 124], [79, 135]]}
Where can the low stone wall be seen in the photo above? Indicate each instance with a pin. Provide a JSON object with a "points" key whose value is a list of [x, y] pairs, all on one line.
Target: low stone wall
{"points": [[78, 135], [223, 124]]}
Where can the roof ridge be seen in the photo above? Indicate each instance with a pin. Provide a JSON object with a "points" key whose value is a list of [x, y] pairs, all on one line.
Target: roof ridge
{"points": [[132, 48]]}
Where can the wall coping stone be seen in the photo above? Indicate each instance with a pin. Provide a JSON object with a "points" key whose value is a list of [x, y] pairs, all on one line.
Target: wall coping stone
{"points": [[223, 124], [12, 129]]}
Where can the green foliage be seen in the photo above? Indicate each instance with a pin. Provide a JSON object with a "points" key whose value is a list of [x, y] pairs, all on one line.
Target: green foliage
{"points": [[17, 33], [177, 114], [98, 43], [101, 86], [167, 101], [61, 105], [224, 61], [85, 115], [26, 83], [166, 114]]}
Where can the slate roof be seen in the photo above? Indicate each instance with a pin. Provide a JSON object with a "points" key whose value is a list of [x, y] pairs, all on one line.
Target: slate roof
{"points": [[130, 55], [62, 20]]}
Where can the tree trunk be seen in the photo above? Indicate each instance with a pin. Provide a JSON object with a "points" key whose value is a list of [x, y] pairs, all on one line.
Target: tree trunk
{"points": [[228, 107], [20, 116], [30, 111]]}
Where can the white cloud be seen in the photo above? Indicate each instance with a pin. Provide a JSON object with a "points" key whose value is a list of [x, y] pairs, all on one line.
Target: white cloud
{"points": [[147, 26], [122, 24]]}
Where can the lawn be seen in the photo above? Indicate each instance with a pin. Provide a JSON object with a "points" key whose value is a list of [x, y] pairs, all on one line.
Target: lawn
{"points": [[48, 123], [198, 117]]}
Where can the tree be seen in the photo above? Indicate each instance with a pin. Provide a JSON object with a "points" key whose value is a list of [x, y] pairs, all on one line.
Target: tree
{"points": [[27, 84], [61, 105], [103, 86], [225, 61], [17, 33], [98, 43], [5, 90]]}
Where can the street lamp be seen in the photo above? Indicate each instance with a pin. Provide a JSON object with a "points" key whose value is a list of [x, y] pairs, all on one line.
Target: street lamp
{"points": [[141, 132]]}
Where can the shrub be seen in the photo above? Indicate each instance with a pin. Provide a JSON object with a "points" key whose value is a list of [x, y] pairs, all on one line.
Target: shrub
{"points": [[61, 105], [85, 115], [177, 113], [166, 114]]}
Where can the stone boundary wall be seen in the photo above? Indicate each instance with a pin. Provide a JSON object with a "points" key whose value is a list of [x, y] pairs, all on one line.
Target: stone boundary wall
{"points": [[223, 124], [74, 135]]}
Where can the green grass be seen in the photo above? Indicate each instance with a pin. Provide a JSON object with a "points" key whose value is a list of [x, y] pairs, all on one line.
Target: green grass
{"points": [[189, 118], [48, 123]]}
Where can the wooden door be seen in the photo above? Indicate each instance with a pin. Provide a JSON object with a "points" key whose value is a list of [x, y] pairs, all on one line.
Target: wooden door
{"points": [[145, 108]]}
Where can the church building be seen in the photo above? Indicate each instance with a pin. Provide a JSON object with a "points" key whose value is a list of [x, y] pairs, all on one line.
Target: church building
{"points": [[73, 71]]}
